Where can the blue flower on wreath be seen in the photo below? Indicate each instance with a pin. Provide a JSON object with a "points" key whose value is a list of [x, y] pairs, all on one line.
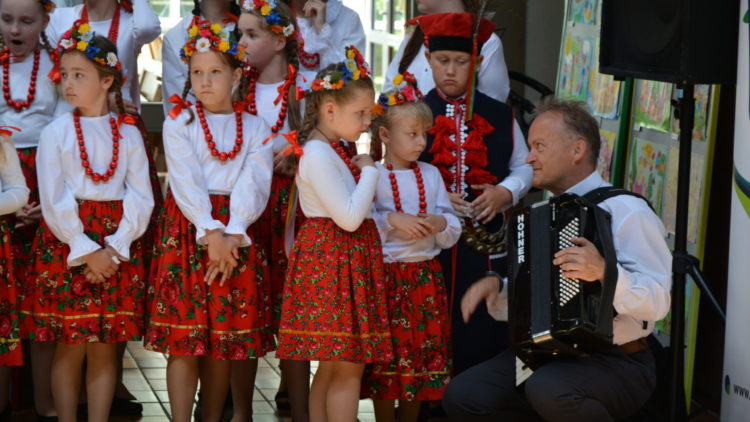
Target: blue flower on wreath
{"points": [[273, 18], [346, 74]]}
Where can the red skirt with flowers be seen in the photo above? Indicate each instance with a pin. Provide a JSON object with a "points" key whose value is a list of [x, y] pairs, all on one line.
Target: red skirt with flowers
{"points": [[271, 230], [149, 237], [23, 237], [60, 305], [420, 330], [334, 306], [188, 317], [10, 339]]}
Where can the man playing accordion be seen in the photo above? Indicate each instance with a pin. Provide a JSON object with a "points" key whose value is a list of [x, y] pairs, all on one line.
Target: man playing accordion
{"points": [[602, 386]]}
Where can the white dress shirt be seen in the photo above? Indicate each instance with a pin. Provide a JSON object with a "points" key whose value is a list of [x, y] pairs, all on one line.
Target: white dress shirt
{"points": [[493, 73], [194, 173], [174, 71], [327, 188], [13, 191], [46, 105], [399, 246], [136, 30], [644, 264], [342, 29], [62, 181]]}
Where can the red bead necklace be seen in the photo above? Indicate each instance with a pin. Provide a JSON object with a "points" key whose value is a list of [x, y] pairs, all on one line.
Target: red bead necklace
{"points": [[356, 171], [20, 105], [223, 156], [309, 60], [290, 77], [97, 177], [114, 27], [420, 187]]}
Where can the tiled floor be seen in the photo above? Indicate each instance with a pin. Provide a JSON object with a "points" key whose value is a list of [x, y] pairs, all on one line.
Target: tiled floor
{"points": [[145, 376]]}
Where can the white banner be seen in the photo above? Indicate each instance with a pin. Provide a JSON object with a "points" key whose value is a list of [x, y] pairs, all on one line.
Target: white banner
{"points": [[735, 403]]}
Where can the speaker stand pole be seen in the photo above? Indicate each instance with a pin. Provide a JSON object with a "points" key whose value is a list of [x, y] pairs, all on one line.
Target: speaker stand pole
{"points": [[681, 262]]}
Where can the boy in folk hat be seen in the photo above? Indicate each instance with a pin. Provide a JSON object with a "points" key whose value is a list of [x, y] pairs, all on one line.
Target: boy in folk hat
{"points": [[480, 152]]}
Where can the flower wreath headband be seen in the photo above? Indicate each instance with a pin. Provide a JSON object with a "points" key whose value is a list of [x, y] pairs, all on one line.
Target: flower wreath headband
{"points": [[47, 5], [405, 91], [354, 68], [267, 9], [79, 37], [204, 36]]}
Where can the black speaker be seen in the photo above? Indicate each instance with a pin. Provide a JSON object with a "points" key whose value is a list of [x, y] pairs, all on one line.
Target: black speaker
{"points": [[694, 41]]}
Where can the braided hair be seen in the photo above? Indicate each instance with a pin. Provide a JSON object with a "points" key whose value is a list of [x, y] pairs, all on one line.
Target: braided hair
{"points": [[314, 99]]}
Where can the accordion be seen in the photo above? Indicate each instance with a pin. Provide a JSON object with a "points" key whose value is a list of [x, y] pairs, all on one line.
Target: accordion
{"points": [[551, 315]]}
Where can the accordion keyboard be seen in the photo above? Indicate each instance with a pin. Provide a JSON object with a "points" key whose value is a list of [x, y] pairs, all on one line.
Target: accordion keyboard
{"points": [[570, 288]]}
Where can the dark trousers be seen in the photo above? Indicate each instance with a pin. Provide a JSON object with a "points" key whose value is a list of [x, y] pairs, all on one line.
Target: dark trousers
{"points": [[482, 337], [599, 388]]}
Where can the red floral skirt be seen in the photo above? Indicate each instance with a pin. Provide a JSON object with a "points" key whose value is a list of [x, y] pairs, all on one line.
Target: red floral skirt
{"points": [[23, 237], [420, 329], [149, 237], [10, 339], [60, 305], [334, 304], [186, 316], [271, 230]]}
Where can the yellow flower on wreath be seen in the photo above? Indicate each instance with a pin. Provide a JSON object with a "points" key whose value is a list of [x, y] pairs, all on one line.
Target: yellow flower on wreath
{"points": [[193, 31], [82, 45], [84, 28], [216, 28], [224, 46]]}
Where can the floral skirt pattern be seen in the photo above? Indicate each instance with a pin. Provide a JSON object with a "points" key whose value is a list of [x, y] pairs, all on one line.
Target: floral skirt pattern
{"points": [[271, 230], [420, 331], [334, 306], [23, 237], [149, 237], [188, 317], [10, 339], [60, 305]]}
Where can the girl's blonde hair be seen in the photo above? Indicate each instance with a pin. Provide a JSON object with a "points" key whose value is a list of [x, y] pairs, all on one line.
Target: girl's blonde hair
{"points": [[419, 110]]}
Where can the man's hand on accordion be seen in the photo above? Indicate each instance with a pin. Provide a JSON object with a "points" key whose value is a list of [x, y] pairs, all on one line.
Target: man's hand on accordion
{"points": [[583, 261]]}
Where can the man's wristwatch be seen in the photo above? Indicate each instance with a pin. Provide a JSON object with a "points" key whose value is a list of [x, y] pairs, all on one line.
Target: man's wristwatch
{"points": [[498, 276]]}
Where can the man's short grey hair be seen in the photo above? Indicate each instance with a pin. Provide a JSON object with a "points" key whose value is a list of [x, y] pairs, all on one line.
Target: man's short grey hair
{"points": [[579, 123]]}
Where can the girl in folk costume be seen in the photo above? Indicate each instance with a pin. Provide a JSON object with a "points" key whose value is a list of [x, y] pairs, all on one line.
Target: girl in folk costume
{"points": [[129, 24], [30, 102], [480, 152], [324, 26], [270, 36], [334, 307], [174, 72], [13, 196], [96, 202], [415, 219], [210, 300], [493, 73]]}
